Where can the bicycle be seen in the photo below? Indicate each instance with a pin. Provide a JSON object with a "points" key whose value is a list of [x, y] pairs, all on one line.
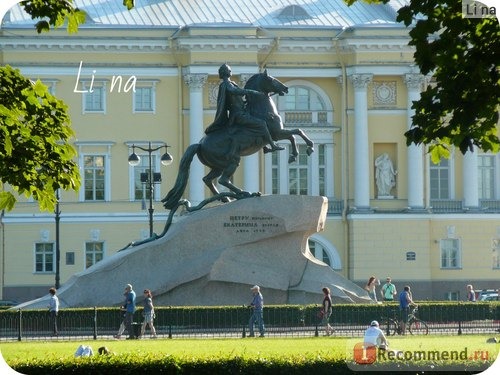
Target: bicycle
{"points": [[392, 325], [415, 325]]}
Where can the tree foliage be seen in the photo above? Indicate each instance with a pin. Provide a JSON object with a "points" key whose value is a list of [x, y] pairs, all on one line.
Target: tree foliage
{"points": [[54, 13], [36, 158], [460, 108]]}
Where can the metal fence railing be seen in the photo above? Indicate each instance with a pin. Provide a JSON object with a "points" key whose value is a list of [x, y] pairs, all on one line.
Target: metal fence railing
{"points": [[232, 321]]}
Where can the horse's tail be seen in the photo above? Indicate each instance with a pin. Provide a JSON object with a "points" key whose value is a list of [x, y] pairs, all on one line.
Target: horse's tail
{"points": [[174, 195]]}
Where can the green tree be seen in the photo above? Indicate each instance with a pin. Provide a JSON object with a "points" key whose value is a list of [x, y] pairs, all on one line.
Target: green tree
{"points": [[35, 156], [460, 108]]}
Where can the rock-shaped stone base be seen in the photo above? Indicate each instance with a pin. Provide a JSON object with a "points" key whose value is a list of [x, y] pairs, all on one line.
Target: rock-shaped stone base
{"points": [[213, 256]]}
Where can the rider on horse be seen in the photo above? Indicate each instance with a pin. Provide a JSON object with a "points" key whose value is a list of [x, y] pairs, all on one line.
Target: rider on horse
{"points": [[231, 110]]}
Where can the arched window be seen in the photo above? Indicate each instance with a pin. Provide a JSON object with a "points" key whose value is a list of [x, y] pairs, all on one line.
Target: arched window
{"points": [[305, 106], [325, 252]]}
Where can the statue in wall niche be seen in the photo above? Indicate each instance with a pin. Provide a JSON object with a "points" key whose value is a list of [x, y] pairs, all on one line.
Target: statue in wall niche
{"points": [[385, 175], [240, 129]]}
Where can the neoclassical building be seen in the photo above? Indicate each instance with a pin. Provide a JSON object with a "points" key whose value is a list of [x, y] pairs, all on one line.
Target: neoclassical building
{"points": [[149, 77]]}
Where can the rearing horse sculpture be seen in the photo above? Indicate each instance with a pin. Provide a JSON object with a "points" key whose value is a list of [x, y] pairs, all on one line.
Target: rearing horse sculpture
{"points": [[217, 149]]}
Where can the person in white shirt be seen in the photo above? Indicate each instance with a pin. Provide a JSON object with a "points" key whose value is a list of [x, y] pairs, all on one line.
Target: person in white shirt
{"points": [[375, 337], [53, 310]]}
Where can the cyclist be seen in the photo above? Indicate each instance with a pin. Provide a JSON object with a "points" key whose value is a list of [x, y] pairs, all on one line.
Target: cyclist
{"points": [[405, 301]]}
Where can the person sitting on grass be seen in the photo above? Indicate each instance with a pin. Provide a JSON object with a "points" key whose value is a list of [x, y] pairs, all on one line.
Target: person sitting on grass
{"points": [[375, 337]]}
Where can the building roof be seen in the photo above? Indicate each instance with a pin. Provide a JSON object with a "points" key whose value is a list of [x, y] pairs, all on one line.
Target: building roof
{"points": [[259, 13]]}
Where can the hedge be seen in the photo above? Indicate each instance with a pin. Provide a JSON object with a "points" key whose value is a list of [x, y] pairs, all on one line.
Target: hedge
{"points": [[200, 317], [147, 364]]}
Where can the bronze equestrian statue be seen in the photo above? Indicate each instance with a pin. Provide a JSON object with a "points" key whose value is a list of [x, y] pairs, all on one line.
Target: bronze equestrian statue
{"points": [[238, 130]]}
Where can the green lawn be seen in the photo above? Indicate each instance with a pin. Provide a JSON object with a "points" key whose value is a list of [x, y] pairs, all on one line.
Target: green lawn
{"points": [[266, 347], [298, 350]]}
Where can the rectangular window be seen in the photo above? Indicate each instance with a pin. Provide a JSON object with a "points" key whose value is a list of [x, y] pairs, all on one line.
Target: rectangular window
{"points": [[44, 257], [298, 174], [411, 255], [144, 99], [322, 170], [94, 101], [94, 252], [51, 85], [275, 175], [70, 258], [94, 177], [486, 176], [450, 253], [440, 180]]}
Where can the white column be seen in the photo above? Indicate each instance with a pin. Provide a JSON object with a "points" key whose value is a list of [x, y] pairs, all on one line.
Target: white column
{"points": [[415, 154], [470, 180], [361, 147], [251, 172], [329, 175], [313, 161], [195, 83], [251, 163], [283, 171], [268, 170]]}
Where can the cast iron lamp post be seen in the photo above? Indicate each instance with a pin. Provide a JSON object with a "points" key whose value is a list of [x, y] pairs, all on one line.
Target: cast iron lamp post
{"points": [[150, 178], [58, 248]]}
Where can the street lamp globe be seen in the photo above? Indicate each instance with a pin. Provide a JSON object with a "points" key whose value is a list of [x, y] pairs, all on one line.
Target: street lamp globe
{"points": [[134, 159], [166, 158]]}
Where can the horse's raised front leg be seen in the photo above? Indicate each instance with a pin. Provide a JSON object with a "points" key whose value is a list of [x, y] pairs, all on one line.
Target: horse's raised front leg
{"points": [[309, 143], [288, 134]]}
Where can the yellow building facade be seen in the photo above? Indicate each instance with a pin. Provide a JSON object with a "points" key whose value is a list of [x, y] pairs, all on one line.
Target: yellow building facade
{"points": [[148, 77]]}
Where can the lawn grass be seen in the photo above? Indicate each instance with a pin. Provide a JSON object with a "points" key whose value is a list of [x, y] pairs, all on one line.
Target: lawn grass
{"points": [[269, 348]]}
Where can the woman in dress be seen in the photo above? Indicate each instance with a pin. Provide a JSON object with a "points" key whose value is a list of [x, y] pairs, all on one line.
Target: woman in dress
{"points": [[327, 311], [148, 313], [370, 287]]}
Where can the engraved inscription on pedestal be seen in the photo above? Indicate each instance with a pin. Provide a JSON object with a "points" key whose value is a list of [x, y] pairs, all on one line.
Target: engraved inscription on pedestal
{"points": [[252, 224]]}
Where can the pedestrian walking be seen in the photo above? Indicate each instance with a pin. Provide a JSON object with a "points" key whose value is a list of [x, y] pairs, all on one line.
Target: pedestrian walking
{"points": [[53, 310], [130, 310], [148, 313], [326, 310], [257, 316]]}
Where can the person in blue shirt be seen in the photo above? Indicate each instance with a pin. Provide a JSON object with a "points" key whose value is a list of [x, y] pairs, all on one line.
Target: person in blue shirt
{"points": [[129, 310], [257, 315], [405, 301]]}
